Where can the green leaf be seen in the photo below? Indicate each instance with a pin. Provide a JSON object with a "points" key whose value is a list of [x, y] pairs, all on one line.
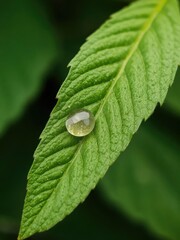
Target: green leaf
{"points": [[173, 97], [120, 74], [27, 49], [145, 182]]}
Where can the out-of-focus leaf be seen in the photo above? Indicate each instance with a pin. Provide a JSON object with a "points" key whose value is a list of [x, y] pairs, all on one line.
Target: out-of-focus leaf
{"points": [[27, 48], [145, 182], [173, 98], [93, 220]]}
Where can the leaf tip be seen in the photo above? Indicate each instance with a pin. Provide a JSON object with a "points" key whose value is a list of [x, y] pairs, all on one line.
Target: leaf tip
{"points": [[23, 234], [19, 238]]}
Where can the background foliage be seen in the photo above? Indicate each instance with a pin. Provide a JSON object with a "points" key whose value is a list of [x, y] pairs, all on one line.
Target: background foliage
{"points": [[139, 198]]}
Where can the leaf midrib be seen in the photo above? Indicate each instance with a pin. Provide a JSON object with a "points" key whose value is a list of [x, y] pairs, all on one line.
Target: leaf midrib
{"points": [[132, 50]]}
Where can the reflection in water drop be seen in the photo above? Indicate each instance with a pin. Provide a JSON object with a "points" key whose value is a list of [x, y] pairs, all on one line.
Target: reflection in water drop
{"points": [[80, 123]]}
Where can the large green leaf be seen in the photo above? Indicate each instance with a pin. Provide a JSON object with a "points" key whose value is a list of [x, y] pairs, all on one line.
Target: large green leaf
{"points": [[27, 48], [173, 98], [120, 74], [145, 182]]}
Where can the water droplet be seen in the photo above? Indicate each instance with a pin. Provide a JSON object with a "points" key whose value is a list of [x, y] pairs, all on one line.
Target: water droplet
{"points": [[80, 123]]}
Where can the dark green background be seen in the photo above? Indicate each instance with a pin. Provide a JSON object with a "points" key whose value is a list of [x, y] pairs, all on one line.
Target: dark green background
{"points": [[108, 213]]}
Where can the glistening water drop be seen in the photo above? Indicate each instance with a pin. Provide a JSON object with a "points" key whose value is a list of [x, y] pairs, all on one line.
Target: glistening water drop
{"points": [[80, 123]]}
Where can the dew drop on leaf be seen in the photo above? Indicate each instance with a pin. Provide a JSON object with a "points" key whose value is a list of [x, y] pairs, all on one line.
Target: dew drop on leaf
{"points": [[80, 123]]}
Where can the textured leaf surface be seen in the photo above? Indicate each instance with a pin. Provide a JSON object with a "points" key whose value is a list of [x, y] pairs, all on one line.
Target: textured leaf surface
{"points": [[173, 97], [145, 182], [27, 48], [120, 74]]}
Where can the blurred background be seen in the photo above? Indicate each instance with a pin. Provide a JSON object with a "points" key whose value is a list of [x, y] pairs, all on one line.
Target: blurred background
{"points": [[139, 198]]}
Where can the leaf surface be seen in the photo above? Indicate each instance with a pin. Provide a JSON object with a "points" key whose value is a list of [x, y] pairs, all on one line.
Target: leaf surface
{"points": [[145, 182], [120, 74], [27, 49]]}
